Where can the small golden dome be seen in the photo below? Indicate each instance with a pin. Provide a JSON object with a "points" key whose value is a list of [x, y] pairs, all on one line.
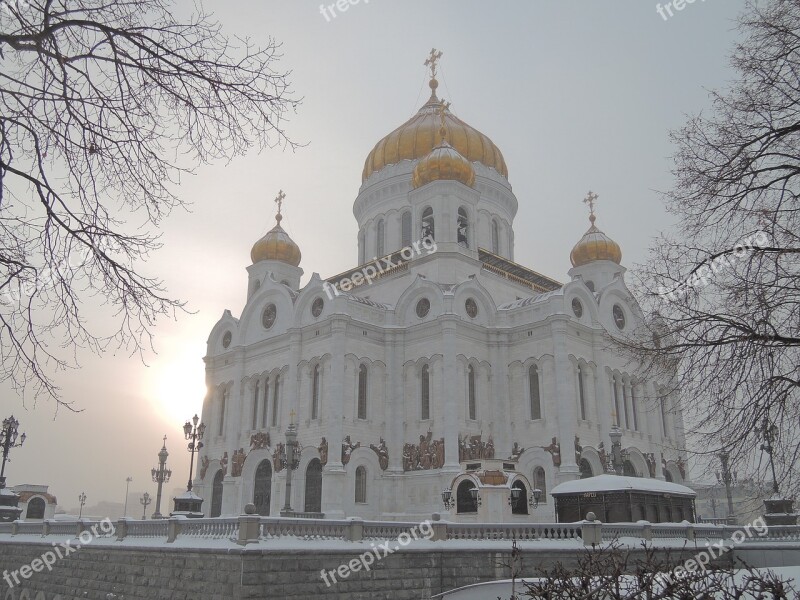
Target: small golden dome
{"points": [[443, 163], [418, 136], [276, 245], [595, 245]]}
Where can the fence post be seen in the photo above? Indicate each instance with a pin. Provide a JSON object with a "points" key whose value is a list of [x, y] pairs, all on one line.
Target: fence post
{"points": [[689, 530], [45, 528], [121, 529], [174, 528], [249, 526], [591, 531], [355, 530], [647, 530]]}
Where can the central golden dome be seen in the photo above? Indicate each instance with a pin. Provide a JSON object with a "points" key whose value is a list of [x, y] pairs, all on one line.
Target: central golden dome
{"points": [[418, 136]]}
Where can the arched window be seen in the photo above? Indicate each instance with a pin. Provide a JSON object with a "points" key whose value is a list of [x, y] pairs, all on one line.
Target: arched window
{"points": [[581, 395], [36, 508], [465, 503], [428, 225], [519, 505], [216, 494], [264, 404], [381, 235], [495, 237], [625, 402], [471, 393], [362, 392], [223, 402], [540, 483], [633, 409], [362, 250], [262, 488], [315, 393], [361, 485], [405, 227], [617, 412], [586, 469], [313, 503], [628, 469], [535, 398], [425, 393], [256, 391], [462, 226], [275, 392]]}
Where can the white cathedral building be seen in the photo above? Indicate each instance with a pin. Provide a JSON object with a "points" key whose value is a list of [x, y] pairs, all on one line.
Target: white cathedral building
{"points": [[440, 366]]}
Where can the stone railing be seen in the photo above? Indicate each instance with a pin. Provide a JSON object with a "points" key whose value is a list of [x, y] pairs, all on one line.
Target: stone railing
{"points": [[248, 529]]}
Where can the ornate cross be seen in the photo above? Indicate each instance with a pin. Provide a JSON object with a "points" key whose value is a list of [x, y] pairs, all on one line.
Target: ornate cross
{"points": [[432, 61], [165, 440], [590, 199], [443, 107], [279, 200], [292, 415]]}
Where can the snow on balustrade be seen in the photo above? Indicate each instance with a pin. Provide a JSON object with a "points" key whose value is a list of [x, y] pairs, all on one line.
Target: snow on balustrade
{"points": [[316, 529], [387, 530], [519, 531], [65, 528], [33, 528], [147, 529], [779, 532], [210, 529], [613, 531]]}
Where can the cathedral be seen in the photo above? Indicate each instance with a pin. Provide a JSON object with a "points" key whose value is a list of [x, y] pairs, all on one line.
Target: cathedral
{"points": [[438, 375]]}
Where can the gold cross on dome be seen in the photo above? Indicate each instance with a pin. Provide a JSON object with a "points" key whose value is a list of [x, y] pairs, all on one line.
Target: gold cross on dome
{"points": [[165, 440], [444, 106], [590, 199], [433, 60], [279, 200]]}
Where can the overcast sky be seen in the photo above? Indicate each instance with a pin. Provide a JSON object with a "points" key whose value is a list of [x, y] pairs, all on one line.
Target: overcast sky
{"points": [[578, 95]]}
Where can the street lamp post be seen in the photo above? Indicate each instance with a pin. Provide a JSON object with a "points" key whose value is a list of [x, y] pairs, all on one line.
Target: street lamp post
{"points": [[82, 500], [188, 504], [770, 433], [9, 440], [778, 510], [161, 476], [9, 501], [616, 450], [145, 501], [291, 462], [727, 478], [127, 488]]}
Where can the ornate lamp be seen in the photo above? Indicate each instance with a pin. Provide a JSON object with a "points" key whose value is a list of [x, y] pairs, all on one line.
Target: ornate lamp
{"points": [[447, 498], [82, 500], [514, 496], [536, 495], [189, 503], [161, 476], [476, 496]]}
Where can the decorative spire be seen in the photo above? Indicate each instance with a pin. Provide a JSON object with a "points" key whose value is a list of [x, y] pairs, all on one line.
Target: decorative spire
{"points": [[590, 199], [279, 201], [443, 107], [165, 441], [432, 62]]}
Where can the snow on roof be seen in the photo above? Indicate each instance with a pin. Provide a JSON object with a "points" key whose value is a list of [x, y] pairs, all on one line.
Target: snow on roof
{"points": [[615, 483]]}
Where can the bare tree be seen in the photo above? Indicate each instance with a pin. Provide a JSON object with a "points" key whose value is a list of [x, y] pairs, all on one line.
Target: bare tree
{"points": [[103, 105], [616, 573], [722, 292]]}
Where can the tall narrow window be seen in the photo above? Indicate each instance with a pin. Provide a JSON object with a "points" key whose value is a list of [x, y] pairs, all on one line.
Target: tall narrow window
{"points": [[315, 394], [540, 482], [617, 413], [362, 392], [425, 393], [381, 235], [495, 237], [663, 401], [222, 405], [581, 394], [405, 226], [265, 404], [361, 485], [633, 409], [428, 225], [275, 392], [471, 392], [535, 397], [256, 390], [625, 402], [362, 249], [463, 228]]}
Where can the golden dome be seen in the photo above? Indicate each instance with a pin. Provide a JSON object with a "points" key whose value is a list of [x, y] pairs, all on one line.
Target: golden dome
{"points": [[595, 245], [418, 136], [444, 162], [276, 245]]}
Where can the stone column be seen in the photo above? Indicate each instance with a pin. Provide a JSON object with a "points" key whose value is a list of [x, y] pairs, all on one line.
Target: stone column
{"points": [[334, 475], [449, 400], [232, 430], [394, 401], [501, 405], [565, 392]]}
